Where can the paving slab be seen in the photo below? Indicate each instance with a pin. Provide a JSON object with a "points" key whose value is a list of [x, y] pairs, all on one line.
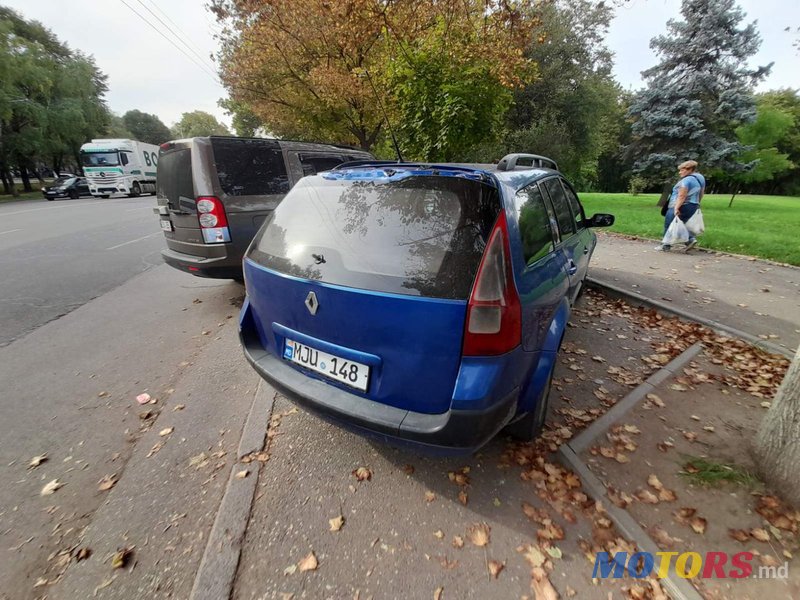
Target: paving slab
{"points": [[755, 296]]}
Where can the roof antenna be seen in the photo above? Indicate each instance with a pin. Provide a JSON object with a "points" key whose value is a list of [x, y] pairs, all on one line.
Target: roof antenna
{"points": [[385, 116]]}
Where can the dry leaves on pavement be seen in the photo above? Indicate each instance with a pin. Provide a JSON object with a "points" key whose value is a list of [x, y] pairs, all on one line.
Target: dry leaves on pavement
{"points": [[51, 487], [107, 482], [336, 523], [362, 474], [37, 460], [478, 534], [309, 563]]}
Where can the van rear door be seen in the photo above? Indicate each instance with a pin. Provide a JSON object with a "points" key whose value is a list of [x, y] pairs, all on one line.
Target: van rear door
{"points": [[176, 195]]}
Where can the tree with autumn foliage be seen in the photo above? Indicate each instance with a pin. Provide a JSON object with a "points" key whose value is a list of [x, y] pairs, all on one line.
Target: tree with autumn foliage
{"points": [[442, 71]]}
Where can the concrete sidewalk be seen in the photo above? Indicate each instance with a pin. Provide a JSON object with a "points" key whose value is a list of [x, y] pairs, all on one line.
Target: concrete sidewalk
{"points": [[746, 294]]}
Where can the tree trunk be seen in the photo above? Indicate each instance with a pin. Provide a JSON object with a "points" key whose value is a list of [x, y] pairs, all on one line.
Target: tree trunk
{"points": [[735, 191], [777, 448], [26, 180]]}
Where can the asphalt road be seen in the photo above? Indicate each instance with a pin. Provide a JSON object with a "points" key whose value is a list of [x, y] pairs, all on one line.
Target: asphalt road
{"points": [[56, 256]]}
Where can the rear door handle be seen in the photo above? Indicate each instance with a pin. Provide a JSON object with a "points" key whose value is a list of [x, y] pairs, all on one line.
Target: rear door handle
{"points": [[586, 249], [573, 268]]}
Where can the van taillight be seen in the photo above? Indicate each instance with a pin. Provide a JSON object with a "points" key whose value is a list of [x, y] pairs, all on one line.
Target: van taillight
{"points": [[213, 221], [494, 314]]}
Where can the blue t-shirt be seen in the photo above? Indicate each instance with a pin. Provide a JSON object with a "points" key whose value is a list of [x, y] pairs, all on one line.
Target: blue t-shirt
{"points": [[693, 187]]}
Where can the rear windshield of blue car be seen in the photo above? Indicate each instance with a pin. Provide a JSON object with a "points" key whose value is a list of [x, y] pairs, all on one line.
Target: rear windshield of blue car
{"points": [[420, 236]]}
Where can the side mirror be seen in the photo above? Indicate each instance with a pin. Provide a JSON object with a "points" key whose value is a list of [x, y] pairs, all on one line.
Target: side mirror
{"points": [[600, 220], [124, 158]]}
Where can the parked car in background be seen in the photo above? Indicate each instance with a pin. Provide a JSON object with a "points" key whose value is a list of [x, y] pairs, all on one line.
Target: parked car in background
{"points": [[421, 303], [119, 166], [66, 186], [215, 192]]}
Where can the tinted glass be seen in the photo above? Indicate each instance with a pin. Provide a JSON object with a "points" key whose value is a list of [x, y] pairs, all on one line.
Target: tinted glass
{"points": [[421, 236], [249, 167], [566, 222], [574, 204], [63, 181], [175, 176], [534, 224], [99, 159], [316, 163]]}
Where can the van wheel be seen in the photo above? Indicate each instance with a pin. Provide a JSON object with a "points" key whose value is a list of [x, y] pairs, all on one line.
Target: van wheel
{"points": [[135, 191], [530, 426]]}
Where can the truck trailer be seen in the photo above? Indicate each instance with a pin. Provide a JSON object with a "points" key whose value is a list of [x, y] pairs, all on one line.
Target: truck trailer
{"points": [[119, 167]]}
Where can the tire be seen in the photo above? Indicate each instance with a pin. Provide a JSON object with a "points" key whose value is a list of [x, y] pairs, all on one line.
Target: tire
{"points": [[49, 199], [74, 195], [104, 196], [136, 190], [530, 426]]}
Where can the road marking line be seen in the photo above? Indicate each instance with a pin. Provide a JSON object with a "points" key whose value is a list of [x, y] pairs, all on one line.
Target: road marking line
{"points": [[133, 241], [99, 202], [10, 231]]}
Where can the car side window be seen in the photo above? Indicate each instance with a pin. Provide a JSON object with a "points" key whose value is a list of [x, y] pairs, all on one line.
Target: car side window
{"points": [[535, 227], [316, 163], [566, 221], [574, 204]]}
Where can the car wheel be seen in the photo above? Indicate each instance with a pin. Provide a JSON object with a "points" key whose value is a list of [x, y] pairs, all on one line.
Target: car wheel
{"points": [[530, 426], [104, 196], [48, 199], [73, 194], [135, 191]]}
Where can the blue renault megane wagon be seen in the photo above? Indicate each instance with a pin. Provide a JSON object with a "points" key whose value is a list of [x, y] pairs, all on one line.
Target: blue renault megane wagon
{"points": [[419, 303]]}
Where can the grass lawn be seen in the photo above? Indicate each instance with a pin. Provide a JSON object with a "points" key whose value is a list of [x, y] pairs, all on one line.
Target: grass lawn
{"points": [[764, 226], [22, 196]]}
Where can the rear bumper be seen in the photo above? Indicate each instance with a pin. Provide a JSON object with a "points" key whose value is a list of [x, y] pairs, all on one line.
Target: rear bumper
{"points": [[452, 432], [223, 267]]}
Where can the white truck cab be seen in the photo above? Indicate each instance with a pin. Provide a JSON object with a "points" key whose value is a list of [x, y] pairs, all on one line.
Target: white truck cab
{"points": [[119, 167]]}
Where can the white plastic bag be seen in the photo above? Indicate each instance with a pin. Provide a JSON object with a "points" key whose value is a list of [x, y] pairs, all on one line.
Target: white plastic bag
{"points": [[676, 233], [695, 223]]}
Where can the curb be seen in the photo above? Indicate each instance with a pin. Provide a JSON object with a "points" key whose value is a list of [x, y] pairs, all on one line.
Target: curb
{"points": [[678, 588], [215, 577], [721, 328]]}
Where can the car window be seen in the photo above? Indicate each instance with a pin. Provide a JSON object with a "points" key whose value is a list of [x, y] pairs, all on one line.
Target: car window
{"points": [[535, 227], [250, 167], [419, 236], [175, 176], [574, 204], [316, 163], [566, 222]]}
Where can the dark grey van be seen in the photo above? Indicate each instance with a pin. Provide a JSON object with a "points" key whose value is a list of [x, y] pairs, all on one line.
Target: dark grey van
{"points": [[214, 192]]}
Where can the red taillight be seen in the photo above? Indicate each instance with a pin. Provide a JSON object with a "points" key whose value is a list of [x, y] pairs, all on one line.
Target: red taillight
{"points": [[213, 220], [494, 314]]}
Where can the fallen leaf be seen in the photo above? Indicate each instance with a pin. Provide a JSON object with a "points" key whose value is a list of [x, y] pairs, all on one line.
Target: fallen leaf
{"points": [[37, 460], [631, 429], [437, 593], [121, 558], [51, 487], [143, 398], [336, 523], [663, 538], [740, 535], [647, 497], [599, 359], [708, 428], [495, 567], [430, 496], [156, 447], [309, 563], [199, 461], [541, 586], [83, 554], [654, 482], [166, 431], [699, 525], [107, 482], [665, 446], [178, 407], [768, 560], [656, 400], [462, 497], [690, 435], [408, 469], [533, 555], [554, 551], [242, 474], [666, 495], [362, 474], [290, 570], [478, 534], [458, 542], [439, 534], [622, 458], [678, 387], [41, 582], [760, 534]]}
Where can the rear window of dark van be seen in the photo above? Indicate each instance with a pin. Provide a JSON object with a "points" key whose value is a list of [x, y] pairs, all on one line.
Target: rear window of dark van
{"points": [[175, 176], [250, 167], [421, 236]]}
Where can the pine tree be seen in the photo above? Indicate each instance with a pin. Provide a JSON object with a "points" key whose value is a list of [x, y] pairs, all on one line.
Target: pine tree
{"points": [[699, 93]]}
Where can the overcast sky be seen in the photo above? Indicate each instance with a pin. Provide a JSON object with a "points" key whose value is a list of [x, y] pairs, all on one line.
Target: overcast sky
{"points": [[149, 73]]}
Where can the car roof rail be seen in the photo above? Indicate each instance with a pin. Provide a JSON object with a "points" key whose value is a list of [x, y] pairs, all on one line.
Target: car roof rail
{"points": [[509, 162]]}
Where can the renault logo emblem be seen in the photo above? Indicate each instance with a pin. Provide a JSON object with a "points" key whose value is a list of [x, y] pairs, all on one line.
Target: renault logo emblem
{"points": [[312, 304]]}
